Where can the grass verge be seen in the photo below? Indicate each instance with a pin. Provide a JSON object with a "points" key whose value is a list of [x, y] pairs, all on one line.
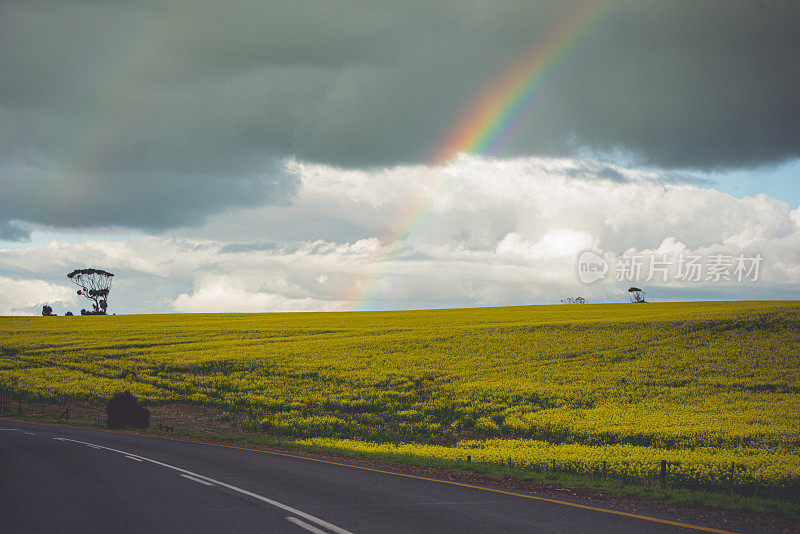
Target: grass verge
{"points": [[751, 504]]}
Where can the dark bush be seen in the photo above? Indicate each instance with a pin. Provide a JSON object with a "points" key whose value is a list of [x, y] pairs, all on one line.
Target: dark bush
{"points": [[123, 410]]}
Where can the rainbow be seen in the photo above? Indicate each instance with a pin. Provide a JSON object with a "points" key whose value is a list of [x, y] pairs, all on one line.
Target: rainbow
{"points": [[491, 121], [367, 292], [502, 108]]}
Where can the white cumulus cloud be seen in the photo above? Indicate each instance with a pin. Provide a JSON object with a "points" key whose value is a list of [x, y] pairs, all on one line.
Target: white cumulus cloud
{"points": [[476, 232], [26, 297]]}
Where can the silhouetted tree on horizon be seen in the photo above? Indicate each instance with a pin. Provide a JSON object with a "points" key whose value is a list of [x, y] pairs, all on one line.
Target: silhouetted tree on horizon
{"points": [[95, 284], [637, 295]]}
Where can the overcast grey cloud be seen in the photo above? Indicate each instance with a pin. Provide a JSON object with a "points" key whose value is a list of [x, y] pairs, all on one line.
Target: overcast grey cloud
{"points": [[158, 115], [10, 231]]}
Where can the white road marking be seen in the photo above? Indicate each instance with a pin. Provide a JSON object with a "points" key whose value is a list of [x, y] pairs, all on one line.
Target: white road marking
{"points": [[295, 511], [93, 446], [134, 458], [303, 524], [196, 479], [9, 428], [30, 433]]}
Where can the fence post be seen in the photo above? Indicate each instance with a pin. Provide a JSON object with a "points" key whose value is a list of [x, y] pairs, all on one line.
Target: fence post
{"points": [[20, 403], [469, 458], [604, 470], [663, 475], [731, 478]]}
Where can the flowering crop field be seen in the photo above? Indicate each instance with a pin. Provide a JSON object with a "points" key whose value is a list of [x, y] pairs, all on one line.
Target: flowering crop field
{"points": [[576, 387]]}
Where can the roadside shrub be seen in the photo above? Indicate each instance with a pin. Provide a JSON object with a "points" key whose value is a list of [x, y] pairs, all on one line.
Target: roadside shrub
{"points": [[123, 410]]}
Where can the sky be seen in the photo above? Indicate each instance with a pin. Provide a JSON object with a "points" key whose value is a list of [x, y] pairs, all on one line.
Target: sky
{"points": [[259, 156]]}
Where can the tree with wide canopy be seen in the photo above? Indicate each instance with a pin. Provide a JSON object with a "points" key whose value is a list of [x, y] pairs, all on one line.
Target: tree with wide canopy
{"points": [[95, 284]]}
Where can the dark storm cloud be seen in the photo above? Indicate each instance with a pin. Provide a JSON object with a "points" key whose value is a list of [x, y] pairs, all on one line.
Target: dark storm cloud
{"points": [[157, 115], [10, 231], [698, 85]]}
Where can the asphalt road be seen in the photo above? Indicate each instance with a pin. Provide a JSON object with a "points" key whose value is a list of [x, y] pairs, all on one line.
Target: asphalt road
{"points": [[56, 479]]}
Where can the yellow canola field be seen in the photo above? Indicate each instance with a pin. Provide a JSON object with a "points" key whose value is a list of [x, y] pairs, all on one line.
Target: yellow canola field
{"points": [[707, 467], [698, 384]]}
